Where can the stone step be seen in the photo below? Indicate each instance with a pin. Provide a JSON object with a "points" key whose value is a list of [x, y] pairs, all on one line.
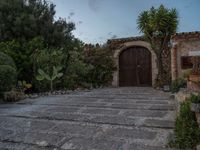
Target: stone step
{"points": [[99, 119], [120, 97], [11, 145]]}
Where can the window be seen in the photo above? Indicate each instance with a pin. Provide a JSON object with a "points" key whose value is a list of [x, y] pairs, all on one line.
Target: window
{"points": [[186, 62]]}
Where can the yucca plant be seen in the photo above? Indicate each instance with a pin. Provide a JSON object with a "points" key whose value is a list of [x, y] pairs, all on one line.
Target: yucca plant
{"points": [[44, 76], [157, 25]]}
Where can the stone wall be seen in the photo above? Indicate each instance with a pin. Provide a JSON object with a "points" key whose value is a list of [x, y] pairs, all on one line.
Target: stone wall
{"points": [[182, 44]]}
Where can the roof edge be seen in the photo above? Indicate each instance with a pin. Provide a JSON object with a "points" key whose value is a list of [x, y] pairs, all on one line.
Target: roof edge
{"points": [[186, 34], [174, 36], [126, 39]]}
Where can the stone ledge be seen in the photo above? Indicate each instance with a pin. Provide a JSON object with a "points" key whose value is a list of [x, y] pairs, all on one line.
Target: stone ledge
{"points": [[194, 86], [181, 97]]}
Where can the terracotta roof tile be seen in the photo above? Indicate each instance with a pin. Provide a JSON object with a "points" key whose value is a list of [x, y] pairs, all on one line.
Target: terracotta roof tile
{"points": [[125, 39], [183, 35]]}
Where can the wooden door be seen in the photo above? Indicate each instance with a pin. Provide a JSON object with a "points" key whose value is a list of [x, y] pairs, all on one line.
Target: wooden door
{"points": [[135, 67]]}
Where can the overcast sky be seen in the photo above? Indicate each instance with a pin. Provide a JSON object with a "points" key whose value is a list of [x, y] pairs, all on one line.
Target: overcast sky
{"points": [[100, 20]]}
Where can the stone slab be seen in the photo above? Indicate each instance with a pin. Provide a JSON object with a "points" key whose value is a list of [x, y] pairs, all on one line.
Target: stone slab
{"points": [[101, 111], [136, 133], [92, 144], [146, 113]]}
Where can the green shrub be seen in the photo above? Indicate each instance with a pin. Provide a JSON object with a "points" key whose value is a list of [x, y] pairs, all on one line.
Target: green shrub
{"points": [[77, 74], [195, 98], [101, 58], [8, 74], [6, 60], [187, 132], [13, 96], [8, 77], [177, 84], [70, 82]]}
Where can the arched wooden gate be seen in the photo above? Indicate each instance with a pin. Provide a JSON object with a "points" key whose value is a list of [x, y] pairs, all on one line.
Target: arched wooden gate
{"points": [[135, 67]]}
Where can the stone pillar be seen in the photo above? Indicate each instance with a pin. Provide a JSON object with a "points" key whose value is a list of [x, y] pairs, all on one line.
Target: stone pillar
{"points": [[115, 81], [174, 69]]}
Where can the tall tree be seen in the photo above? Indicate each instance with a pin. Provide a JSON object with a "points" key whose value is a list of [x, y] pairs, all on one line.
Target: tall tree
{"points": [[158, 25], [29, 26], [23, 20]]}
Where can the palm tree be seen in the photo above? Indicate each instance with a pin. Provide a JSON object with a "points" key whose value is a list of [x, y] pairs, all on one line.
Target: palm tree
{"points": [[158, 25]]}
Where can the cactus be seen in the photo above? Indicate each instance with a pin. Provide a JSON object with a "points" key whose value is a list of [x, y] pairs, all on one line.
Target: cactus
{"points": [[44, 76]]}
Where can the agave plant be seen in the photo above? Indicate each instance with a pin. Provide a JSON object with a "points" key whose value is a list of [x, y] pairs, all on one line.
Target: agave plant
{"points": [[44, 76]]}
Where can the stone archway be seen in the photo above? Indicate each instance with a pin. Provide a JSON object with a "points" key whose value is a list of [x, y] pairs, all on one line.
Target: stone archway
{"points": [[127, 45]]}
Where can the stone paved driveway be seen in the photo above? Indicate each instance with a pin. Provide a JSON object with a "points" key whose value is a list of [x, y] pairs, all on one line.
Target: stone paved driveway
{"points": [[103, 119]]}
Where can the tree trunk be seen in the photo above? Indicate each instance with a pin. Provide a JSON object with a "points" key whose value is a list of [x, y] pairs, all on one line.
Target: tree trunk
{"points": [[163, 55], [167, 65], [160, 76]]}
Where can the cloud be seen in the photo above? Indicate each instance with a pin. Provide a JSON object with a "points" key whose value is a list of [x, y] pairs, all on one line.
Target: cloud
{"points": [[110, 33], [95, 5], [100, 38], [71, 14], [80, 33], [80, 22], [114, 37], [85, 38], [188, 5]]}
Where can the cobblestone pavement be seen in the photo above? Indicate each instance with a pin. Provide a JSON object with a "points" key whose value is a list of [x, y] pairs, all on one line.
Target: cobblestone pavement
{"points": [[103, 119]]}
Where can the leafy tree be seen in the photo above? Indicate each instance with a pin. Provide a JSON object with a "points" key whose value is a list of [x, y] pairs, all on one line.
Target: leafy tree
{"points": [[6, 60], [101, 58], [28, 27], [35, 40], [77, 71], [158, 25], [8, 76], [21, 56], [8, 73], [23, 20]]}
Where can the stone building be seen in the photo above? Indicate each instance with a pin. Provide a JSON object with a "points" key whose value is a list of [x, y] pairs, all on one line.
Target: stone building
{"points": [[136, 61], [183, 46]]}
